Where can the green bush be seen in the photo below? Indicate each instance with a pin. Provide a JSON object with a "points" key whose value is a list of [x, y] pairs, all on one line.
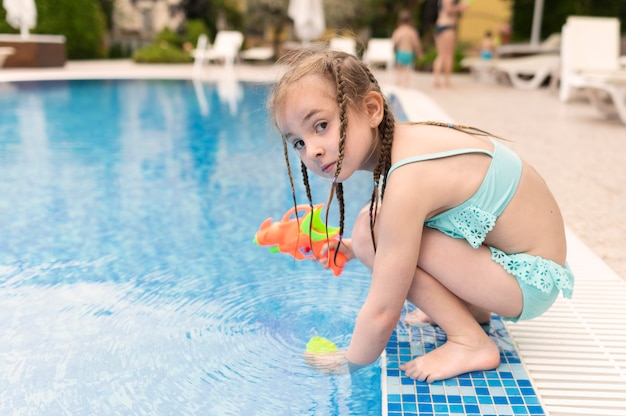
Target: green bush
{"points": [[82, 22], [161, 52], [192, 29], [166, 35]]}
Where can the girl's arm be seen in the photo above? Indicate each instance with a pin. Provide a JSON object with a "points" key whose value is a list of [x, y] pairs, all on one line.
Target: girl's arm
{"points": [[407, 204]]}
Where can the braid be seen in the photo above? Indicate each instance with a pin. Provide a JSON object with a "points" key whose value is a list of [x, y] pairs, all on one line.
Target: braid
{"points": [[343, 117], [307, 186], [341, 217], [461, 128], [337, 188], [291, 182], [385, 133]]}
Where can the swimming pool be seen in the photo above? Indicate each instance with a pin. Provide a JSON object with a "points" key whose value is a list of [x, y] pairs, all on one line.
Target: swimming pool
{"points": [[129, 280]]}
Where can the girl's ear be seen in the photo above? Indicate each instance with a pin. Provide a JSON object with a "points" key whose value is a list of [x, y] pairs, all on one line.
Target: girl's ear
{"points": [[374, 106]]}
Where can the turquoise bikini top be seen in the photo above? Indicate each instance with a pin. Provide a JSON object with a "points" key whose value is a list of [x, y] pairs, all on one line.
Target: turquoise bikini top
{"points": [[475, 217]]}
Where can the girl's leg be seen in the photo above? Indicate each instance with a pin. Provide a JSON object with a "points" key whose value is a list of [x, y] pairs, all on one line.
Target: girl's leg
{"points": [[442, 289], [364, 251], [417, 317], [468, 347]]}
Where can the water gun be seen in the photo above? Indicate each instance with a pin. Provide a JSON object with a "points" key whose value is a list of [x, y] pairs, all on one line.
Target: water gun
{"points": [[301, 239]]}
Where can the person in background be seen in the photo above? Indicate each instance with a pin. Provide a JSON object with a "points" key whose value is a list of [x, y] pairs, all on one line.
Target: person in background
{"points": [[445, 38], [407, 46], [487, 46]]}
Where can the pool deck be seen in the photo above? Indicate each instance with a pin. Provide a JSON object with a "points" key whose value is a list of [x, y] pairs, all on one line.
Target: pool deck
{"points": [[574, 354]]}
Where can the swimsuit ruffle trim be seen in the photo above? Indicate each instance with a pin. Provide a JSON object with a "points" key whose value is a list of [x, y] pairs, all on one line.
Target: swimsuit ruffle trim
{"points": [[473, 224], [536, 271]]}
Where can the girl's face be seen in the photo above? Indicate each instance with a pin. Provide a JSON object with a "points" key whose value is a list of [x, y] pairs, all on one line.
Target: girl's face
{"points": [[309, 118]]}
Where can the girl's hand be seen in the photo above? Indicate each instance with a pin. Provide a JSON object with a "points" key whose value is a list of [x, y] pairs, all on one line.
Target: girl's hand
{"points": [[345, 248], [328, 363]]}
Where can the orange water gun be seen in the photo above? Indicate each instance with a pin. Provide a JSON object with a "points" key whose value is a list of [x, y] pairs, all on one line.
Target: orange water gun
{"points": [[302, 239]]}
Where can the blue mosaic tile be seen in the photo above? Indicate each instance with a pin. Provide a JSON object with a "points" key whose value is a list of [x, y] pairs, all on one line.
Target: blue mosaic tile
{"points": [[507, 390]]}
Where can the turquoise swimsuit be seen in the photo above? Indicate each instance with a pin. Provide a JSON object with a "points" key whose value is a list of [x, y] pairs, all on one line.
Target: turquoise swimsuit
{"points": [[540, 279], [405, 58]]}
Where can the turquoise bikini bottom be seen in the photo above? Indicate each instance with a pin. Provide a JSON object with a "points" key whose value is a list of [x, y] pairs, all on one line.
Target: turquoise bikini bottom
{"points": [[541, 280]]}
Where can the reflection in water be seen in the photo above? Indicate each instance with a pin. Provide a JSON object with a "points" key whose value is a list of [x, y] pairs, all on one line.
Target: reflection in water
{"points": [[129, 282]]}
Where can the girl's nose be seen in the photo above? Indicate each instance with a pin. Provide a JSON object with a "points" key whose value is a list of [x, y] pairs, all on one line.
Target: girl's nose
{"points": [[315, 151]]}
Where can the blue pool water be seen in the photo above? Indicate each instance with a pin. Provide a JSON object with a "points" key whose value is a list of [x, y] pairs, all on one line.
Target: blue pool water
{"points": [[129, 280]]}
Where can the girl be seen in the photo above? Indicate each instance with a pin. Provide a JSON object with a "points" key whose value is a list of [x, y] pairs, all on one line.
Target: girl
{"points": [[466, 227]]}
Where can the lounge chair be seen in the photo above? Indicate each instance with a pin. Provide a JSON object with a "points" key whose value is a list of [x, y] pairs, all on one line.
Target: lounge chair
{"points": [[551, 45], [257, 54], [225, 48], [527, 72], [590, 50], [607, 93], [343, 44], [380, 51]]}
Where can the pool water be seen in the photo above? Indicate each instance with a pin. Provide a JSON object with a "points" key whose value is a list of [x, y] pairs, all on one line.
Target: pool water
{"points": [[129, 279]]}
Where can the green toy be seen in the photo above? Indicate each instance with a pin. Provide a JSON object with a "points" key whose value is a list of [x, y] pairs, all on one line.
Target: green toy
{"points": [[320, 345]]}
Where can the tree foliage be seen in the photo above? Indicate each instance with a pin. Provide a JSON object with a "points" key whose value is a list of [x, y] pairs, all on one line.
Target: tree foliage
{"points": [[556, 12], [82, 22]]}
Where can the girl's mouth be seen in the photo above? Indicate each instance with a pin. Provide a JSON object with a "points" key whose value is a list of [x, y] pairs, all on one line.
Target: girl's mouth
{"points": [[328, 168]]}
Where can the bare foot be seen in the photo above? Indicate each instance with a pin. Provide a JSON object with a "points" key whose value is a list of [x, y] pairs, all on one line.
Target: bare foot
{"points": [[417, 318], [454, 358]]}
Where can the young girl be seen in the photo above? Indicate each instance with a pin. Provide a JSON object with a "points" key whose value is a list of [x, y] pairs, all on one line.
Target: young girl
{"points": [[458, 224]]}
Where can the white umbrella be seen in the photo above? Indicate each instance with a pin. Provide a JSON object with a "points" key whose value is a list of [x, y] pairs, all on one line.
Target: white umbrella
{"points": [[308, 18], [21, 14]]}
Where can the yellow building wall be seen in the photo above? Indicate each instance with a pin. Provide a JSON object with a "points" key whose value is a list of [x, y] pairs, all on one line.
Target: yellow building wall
{"points": [[480, 16]]}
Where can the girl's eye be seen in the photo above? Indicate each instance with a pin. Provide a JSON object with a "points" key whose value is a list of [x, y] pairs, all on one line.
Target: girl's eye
{"points": [[320, 127], [298, 144]]}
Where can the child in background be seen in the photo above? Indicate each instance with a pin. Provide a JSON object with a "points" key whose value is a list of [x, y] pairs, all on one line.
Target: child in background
{"points": [[407, 46], [487, 46], [457, 224]]}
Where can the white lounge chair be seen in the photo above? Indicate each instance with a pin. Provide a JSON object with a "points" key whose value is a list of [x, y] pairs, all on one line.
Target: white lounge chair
{"points": [[225, 48], [257, 54], [343, 44], [380, 51], [607, 93], [590, 48], [527, 72], [551, 45]]}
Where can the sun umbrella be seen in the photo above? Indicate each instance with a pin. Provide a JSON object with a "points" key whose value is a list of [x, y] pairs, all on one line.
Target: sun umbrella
{"points": [[21, 14], [308, 18]]}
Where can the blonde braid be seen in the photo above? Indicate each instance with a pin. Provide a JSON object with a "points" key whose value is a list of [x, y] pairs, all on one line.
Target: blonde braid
{"points": [[291, 181], [385, 133], [337, 188], [461, 128]]}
